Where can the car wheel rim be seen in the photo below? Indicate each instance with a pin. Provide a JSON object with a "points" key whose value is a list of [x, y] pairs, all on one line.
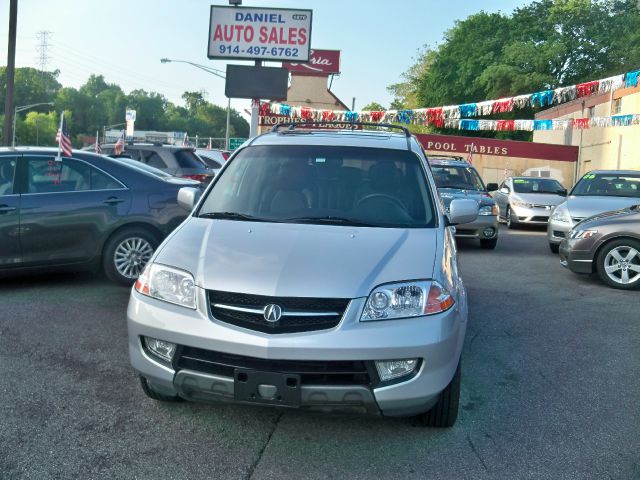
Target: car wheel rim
{"points": [[131, 256], [622, 265]]}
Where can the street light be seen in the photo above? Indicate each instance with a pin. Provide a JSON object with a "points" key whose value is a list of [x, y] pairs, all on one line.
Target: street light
{"points": [[22, 109], [217, 73]]}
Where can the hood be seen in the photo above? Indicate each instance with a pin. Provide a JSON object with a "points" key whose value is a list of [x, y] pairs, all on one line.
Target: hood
{"points": [[583, 206], [298, 260], [539, 198], [448, 194], [631, 215]]}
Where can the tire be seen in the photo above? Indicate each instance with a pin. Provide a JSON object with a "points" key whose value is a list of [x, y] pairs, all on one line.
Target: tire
{"points": [[509, 217], [488, 243], [444, 413], [554, 247], [154, 394], [137, 242], [627, 269]]}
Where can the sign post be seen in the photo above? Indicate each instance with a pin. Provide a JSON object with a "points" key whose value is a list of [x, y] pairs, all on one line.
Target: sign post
{"points": [[250, 33]]}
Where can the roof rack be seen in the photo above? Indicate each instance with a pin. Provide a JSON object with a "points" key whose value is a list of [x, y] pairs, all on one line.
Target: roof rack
{"points": [[348, 125]]}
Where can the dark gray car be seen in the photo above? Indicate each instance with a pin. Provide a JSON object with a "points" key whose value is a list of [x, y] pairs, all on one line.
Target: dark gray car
{"points": [[88, 211], [175, 160], [608, 244]]}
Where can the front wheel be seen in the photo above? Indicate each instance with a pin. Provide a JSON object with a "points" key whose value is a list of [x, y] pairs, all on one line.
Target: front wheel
{"points": [[511, 221], [618, 264], [126, 254], [488, 243], [554, 247], [445, 412]]}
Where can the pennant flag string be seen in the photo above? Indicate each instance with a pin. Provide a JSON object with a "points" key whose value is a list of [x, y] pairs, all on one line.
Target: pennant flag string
{"points": [[451, 115]]}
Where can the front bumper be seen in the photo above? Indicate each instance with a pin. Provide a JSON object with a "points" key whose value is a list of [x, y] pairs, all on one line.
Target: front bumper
{"points": [[531, 215], [558, 231], [437, 340], [575, 259], [484, 227]]}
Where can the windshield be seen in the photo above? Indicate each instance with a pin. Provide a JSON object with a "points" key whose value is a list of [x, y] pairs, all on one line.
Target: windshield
{"points": [[188, 159], [323, 184], [464, 178], [536, 185], [608, 185]]}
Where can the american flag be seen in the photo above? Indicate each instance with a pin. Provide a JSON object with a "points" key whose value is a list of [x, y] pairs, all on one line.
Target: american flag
{"points": [[98, 147], [470, 156], [62, 138], [119, 146]]}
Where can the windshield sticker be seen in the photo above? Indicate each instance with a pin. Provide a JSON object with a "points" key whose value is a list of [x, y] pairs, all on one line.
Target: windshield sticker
{"points": [[589, 176], [520, 180]]}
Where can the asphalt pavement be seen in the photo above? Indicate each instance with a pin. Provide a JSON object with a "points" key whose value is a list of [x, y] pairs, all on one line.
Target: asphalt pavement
{"points": [[550, 390]]}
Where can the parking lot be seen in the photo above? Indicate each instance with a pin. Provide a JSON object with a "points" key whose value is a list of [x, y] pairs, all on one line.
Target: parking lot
{"points": [[550, 390]]}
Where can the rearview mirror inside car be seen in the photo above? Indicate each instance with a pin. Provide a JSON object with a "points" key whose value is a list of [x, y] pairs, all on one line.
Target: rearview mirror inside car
{"points": [[188, 197], [462, 210], [492, 187]]}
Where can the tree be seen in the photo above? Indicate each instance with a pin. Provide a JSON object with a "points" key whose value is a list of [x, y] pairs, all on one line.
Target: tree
{"points": [[374, 107]]}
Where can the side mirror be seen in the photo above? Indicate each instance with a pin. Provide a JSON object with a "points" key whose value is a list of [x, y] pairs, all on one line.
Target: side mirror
{"points": [[188, 197], [504, 191], [492, 187], [462, 210], [562, 192]]}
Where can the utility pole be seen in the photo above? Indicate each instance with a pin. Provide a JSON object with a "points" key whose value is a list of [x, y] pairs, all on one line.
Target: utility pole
{"points": [[11, 71], [43, 57]]}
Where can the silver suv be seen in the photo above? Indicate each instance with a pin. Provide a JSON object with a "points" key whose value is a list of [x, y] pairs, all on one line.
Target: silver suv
{"points": [[317, 271]]}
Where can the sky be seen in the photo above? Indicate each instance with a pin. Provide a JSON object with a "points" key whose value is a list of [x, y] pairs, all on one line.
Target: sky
{"points": [[124, 40]]}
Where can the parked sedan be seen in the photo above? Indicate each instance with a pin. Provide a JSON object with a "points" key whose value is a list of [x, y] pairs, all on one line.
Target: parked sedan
{"points": [[596, 192], [88, 211], [528, 200], [608, 244]]}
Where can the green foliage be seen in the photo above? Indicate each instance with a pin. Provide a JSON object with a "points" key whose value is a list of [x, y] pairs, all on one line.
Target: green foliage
{"points": [[546, 44], [98, 103], [374, 107]]}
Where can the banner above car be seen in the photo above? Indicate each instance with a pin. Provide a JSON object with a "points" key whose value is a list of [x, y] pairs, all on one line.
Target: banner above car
{"points": [[259, 33]]}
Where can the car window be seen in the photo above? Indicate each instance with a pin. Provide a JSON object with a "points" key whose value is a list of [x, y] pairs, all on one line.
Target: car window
{"points": [[608, 185], [153, 159], [7, 173], [188, 159], [47, 175], [323, 184], [536, 185], [464, 178]]}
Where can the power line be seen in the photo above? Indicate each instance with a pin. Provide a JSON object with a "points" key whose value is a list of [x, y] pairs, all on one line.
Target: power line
{"points": [[43, 55]]}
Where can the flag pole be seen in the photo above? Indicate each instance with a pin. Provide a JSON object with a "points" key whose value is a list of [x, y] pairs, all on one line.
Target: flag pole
{"points": [[59, 157]]}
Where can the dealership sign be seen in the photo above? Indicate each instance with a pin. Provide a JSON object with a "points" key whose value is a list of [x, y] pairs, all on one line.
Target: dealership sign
{"points": [[323, 62], [259, 33], [275, 119]]}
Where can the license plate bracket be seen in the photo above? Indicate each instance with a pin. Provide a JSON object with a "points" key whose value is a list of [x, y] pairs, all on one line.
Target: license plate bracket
{"points": [[269, 388]]}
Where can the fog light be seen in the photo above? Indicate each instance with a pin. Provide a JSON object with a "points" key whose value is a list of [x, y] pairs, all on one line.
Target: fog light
{"points": [[489, 232], [160, 348], [390, 369]]}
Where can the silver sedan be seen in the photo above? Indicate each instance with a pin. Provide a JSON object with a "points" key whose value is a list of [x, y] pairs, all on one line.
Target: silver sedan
{"points": [[528, 200]]}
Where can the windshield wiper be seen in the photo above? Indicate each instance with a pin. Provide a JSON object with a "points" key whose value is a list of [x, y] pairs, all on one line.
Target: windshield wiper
{"points": [[232, 216], [331, 220]]}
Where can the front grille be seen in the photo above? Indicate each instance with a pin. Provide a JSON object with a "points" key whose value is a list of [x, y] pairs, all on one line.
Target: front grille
{"points": [[311, 372], [299, 314], [539, 219], [559, 234]]}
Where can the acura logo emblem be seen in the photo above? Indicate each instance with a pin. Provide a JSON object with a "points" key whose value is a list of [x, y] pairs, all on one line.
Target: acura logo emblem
{"points": [[272, 313]]}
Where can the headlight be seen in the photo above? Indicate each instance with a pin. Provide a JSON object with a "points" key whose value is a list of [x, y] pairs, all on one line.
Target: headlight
{"points": [[168, 284], [408, 299], [561, 214], [518, 203], [488, 210], [576, 234]]}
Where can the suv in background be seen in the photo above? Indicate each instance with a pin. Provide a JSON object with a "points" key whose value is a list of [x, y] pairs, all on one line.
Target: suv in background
{"points": [[177, 161], [213, 158], [456, 178], [318, 272]]}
